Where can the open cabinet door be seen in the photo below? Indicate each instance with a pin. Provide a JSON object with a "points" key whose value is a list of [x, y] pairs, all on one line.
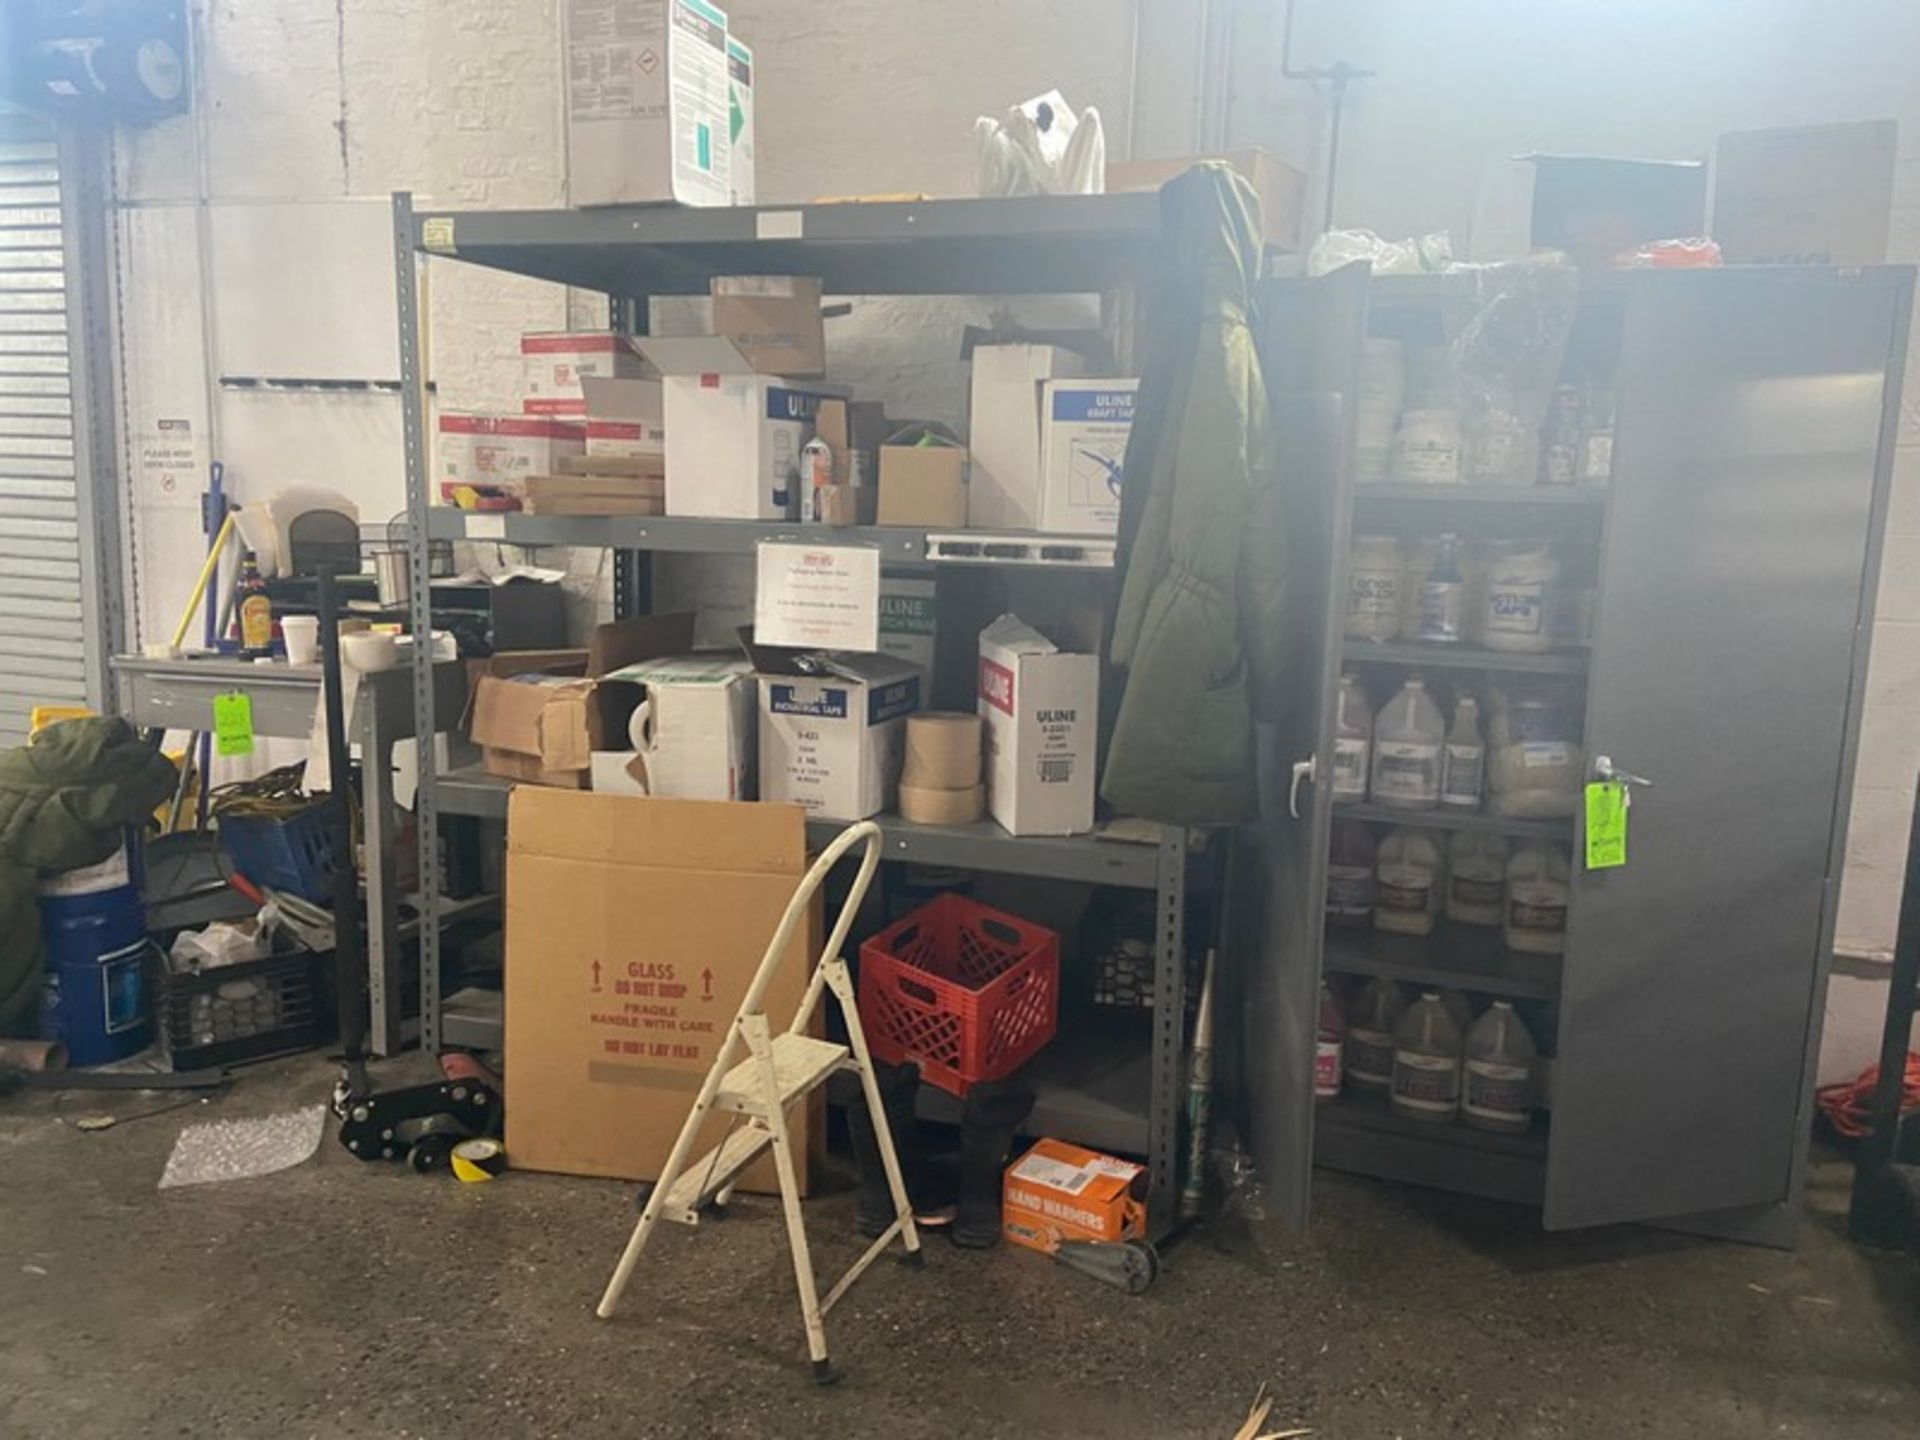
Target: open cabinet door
{"points": [[1310, 334], [1729, 648]]}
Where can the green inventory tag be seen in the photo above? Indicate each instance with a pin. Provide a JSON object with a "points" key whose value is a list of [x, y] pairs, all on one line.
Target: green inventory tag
{"points": [[232, 724], [1606, 824]]}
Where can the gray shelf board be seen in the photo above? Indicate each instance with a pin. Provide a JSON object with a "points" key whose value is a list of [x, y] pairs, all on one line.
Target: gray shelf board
{"points": [[1092, 1086], [1041, 244], [980, 846], [1519, 497], [474, 1017], [1462, 657], [1347, 1138], [1466, 957], [1447, 819], [1359, 1112]]}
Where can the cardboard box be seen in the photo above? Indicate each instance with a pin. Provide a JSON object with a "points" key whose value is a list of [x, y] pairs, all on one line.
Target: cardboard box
{"points": [[1058, 1191], [1041, 706], [853, 430], [633, 928], [593, 495], [924, 485], [833, 744], [1003, 491], [1813, 195], [538, 715], [697, 715], [1084, 442], [909, 616], [626, 419], [740, 121], [1597, 208], [554, 367], [773, 320], [733, 435], [1281, 187], [496, 449], [646, 102]]}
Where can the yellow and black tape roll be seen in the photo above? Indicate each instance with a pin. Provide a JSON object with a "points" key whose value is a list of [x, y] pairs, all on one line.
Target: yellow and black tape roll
{"points": [[477, 1160]]}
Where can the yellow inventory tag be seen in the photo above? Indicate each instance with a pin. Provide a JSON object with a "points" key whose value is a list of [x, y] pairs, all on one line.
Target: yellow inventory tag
{"points": [[233, 724], [1606, 824], [436, 233]]}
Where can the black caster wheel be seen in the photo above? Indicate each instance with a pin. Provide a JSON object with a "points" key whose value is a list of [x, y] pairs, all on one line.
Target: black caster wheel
{"points": [[430, 1153], [824, 1374]]}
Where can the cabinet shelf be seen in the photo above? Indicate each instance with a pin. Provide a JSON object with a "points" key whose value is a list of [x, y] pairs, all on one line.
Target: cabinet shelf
{"points": [[1365, 1137], [1450, 820], [1466, 957], [1462, 657], [1515, 497]]}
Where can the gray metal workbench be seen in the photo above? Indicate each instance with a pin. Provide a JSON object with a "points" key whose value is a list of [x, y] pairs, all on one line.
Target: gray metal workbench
{"points": [[179, 695]]}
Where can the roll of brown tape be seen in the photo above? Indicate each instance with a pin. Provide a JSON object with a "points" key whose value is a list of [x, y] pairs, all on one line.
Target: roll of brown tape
{"points": [[925, 805], [943, 751]]}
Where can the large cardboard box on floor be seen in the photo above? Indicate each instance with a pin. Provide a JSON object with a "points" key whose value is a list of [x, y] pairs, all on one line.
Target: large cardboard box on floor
{"points": [[1810, 195], [733, 434], [646, 102], [633, 929], [833, 744], [1058, 1191], [1083, 442], [538, 715], [1041, 706], [696, 718], [1003, 432]]}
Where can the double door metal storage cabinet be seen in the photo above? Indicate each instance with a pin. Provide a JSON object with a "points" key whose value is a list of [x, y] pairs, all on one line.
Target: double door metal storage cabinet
{"points": [[1734, 558]]}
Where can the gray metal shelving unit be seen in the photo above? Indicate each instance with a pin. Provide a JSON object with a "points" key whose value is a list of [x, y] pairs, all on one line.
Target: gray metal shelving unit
{"points": [[1086, 244]]}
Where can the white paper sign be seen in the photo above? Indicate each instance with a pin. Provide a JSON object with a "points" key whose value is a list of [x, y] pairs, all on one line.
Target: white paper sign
{"points": [[169, 469], [817, 597]]}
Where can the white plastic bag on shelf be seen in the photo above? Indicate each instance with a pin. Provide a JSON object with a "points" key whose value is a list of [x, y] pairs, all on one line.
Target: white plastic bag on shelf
{"points": [[1040, 148], [1419, 255]]}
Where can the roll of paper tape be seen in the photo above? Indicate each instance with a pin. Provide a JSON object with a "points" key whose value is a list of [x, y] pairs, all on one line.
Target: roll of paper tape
{"points": [[943, 751], [925, 805]]}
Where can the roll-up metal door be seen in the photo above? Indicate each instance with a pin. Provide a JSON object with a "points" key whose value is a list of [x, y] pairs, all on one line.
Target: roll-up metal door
{"points": [[46, 650]]}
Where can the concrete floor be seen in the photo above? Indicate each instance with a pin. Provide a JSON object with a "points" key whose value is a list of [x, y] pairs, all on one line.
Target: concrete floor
{"points": [[339, 1300]]}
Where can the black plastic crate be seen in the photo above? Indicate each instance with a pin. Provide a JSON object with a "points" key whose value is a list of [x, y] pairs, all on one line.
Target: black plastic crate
{"points": [[256, 1010]]}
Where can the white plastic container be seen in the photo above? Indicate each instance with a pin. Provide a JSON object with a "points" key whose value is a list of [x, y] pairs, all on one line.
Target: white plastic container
{"points": [[1519, 581], [1443, 597], [1476, 879], [1371, 1017], [1409, 877], [1538, 879], [1497, 1078], [1408, 736], [1533, 757], [1374, 580], [1351, 856], [1352, 742], [1426, 1062], [1463, 763], [1426, 449]]}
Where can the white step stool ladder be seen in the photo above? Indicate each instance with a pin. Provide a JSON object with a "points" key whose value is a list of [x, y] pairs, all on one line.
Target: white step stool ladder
{"points": [[777, 1071]]}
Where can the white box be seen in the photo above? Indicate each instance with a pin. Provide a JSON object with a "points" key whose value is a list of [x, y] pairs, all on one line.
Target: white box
{"points": [[646, 102], [1084, 440], [909, 610], [733, 437], [553, 367], [1041, 707], [740, 121], [625, 418], [500, 449], [696, 723], [833, 744], [1003, 492]]}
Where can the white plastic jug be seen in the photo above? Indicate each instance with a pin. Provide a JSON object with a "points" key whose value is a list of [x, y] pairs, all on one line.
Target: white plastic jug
{"points": [[1426, 1062], [1476, 878], [1352, 741], [1350, 861], [1408, 876], [1497, 1084], [1537, 888], [1374, 581], [1371, 1016], [1463, 764], [1518, 598], [1407, 738]]}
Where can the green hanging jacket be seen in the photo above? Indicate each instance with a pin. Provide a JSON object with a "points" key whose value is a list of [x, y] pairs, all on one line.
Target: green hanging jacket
{"points": [[1200, 596], [63, 802]]}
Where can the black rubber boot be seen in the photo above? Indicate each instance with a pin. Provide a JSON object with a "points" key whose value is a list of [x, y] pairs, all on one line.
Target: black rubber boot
{"points": [[993, 1113], [898, 1084]]}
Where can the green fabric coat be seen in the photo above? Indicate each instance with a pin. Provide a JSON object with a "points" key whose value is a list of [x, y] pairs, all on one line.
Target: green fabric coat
{"points": [[63, 802], [1200, 597]]}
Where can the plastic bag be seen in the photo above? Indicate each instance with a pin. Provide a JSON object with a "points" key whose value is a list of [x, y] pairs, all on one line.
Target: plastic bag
{"points": [[1420, 255], [1041, 148]]}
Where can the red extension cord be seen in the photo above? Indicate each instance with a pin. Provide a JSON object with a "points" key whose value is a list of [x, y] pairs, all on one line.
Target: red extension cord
{"points": [[1848, 1105]]}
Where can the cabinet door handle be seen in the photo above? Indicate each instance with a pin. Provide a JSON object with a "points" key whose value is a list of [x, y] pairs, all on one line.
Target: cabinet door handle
{"points": [[1605, 769], [1302, 770]]}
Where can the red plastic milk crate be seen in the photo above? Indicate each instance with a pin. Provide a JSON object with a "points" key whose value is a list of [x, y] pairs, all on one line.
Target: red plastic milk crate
{"points": [[963, 991]]}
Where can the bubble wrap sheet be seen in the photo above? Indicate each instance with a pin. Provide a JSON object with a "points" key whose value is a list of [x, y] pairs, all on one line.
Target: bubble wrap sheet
{"points": [[239, 1149]]}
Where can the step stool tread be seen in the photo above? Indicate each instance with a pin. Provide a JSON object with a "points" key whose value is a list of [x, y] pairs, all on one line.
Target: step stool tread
{"points": [[706, 1177], [799, 1064]]}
